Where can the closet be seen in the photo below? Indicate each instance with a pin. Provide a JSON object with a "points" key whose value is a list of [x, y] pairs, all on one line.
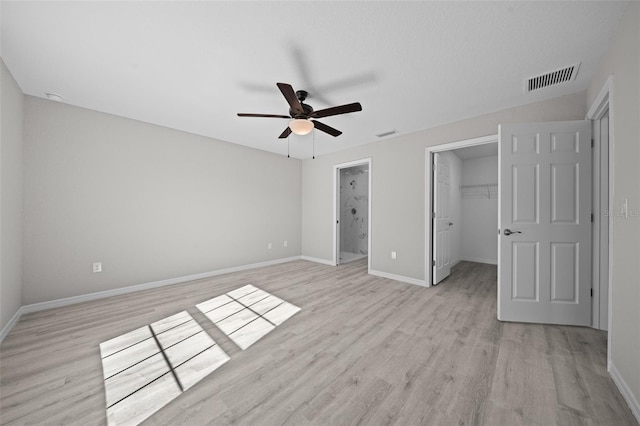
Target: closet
{"points": [[473, 203]]}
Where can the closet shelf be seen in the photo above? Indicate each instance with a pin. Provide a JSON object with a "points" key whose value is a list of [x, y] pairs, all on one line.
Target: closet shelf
{"points": [[487, 190], [483, 185]]}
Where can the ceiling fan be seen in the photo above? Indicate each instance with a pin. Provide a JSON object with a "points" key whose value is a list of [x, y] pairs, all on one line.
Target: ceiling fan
{"points": [[303, 116]]}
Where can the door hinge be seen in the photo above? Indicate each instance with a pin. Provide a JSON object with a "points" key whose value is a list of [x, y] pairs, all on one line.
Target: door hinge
{"points": [[591, 217], [591, 292], [433, 215], [433, 263], [498, 231]]}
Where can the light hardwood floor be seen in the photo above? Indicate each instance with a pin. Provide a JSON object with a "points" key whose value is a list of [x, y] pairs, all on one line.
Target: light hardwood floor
{"points": [[363, 349]]}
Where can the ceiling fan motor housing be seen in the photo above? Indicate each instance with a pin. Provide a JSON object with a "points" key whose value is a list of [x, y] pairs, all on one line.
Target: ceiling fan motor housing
{"points": [[307, 111], [301, 95]]}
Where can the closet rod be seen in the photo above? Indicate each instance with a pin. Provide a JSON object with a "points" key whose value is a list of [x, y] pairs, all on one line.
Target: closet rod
{"points": [[478, 186]]}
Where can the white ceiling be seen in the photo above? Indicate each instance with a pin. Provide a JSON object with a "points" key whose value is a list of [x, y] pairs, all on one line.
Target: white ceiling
{"points": [[193, 65]]}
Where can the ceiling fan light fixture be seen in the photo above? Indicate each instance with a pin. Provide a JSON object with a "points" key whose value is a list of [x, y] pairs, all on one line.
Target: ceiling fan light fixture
{"points": [[301, 126]]}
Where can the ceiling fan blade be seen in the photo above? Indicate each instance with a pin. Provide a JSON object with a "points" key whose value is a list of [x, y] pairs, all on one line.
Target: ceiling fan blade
{"points": [[337, 110], [327, 129], [285, 134], [291, 97], [242, 114]]}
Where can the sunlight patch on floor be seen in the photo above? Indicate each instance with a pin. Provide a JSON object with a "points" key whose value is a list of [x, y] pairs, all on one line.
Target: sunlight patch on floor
{"points": [[147, 368], [247, 314]]}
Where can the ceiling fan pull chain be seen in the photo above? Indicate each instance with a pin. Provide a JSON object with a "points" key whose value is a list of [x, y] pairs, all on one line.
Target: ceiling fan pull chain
{"points": [[288, 147], [314, 144]]}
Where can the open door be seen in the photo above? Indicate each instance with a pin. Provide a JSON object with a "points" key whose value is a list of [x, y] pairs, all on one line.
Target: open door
{"points": [[336, 248], [441, 222], [545, 223]]}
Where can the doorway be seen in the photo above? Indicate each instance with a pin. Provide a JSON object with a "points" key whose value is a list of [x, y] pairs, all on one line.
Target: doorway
{"points": [[597, 274], [466, 207], [600, 114], [352, 211], [449, 247]]}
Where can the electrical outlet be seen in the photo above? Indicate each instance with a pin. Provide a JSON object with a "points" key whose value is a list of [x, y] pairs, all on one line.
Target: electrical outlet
{"points": [[393, 255], [269, 246], [286, 243], [97, 266]]}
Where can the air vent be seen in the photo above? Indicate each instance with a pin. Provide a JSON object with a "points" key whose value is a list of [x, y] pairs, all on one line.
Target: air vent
{"points": [[389, 133], [551, 78]]}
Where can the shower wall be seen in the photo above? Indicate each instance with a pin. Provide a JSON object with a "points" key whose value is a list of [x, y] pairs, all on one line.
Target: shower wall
{"points": [[354, 210]]}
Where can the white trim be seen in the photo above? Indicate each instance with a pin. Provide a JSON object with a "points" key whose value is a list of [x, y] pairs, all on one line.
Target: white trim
{"points": [[147, 286], [498, 313], [336, 194], [596, 160], [12, 322], [601, 223], [353, 259], [480, 260], [35, 307], [464, 143], [427, 182], [603, 102], [395, 277], [625, 391], [318, 260]]}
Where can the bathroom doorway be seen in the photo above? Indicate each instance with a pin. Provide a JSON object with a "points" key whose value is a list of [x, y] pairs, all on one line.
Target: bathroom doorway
{"points": [[352, 221]]}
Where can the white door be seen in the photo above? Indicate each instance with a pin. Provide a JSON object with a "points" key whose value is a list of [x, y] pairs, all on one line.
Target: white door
{"points": [[545, 222], [338, 202], [441, 223]]}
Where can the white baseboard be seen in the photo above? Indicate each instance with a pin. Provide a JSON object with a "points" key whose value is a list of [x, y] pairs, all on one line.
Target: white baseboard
{"points": [[318, 260], [358, 257], [13, 321], [480, 260], [625, 391], [35, 307], [398, 278]]}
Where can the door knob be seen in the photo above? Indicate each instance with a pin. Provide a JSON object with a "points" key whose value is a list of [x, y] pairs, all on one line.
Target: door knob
{"points": [[509, 232]]}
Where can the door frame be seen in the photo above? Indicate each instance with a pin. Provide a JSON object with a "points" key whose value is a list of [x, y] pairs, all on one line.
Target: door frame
{"points": [[336, 207], [604, 103], [429, 180]]}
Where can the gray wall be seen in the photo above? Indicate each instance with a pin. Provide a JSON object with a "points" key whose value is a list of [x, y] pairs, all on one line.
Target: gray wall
{"points": [[623, 61], [149, 202], [11, 114], [398, 185]]}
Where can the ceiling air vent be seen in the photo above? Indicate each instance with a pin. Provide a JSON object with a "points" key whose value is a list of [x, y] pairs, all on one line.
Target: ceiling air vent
{"points": [[554, 77]]}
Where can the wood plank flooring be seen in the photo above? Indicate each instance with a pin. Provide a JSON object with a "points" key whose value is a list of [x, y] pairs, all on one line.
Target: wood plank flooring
{"points": [[362, 350]]}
